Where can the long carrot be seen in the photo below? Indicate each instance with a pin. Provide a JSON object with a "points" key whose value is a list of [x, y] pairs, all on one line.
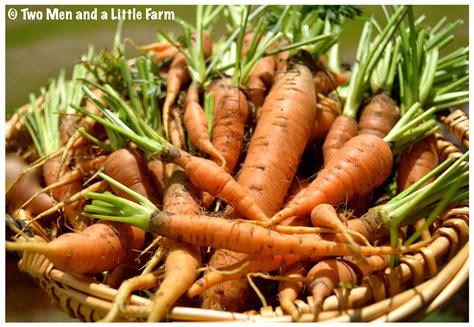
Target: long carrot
{"points": [[98, 248], [183, 259], [362, 164], [230, 115], [289, 109]]}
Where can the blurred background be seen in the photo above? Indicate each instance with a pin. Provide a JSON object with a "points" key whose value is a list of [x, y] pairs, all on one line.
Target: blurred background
{"points": [[38, 50]]}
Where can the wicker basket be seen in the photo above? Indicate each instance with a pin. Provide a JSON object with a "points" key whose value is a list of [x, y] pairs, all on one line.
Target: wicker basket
{"points": [[421, 282]]}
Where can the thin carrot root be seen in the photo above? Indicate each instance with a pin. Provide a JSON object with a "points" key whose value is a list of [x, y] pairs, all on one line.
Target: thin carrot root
{"points": [[142, 282]]}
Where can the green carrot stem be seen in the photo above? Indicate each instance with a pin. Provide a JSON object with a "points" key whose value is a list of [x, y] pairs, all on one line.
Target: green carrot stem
{"points": [[454, 85], [437, 38], [127, 76], [434, 214], [427, 78], [95, 140]]}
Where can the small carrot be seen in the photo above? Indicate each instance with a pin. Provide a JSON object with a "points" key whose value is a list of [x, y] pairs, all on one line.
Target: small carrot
{"points": [[328, 110], [178, 75], [379, 116], [326, 81], [98, 248], [129, 167], [288, 291], [195, 122], [24, 189]]}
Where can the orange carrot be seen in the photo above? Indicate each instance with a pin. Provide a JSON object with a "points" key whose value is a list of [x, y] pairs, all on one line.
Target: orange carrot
{"points": [[221, 185], [342, 130], [362, 164], [157, 171], [25, 188], [326, 81], [97, 248], [328, 110], [288, 290], [129, 168], [417, 161], [379, 116], [195, 122], [230, 115], [273, 156], [183, 259], [178, 75]]}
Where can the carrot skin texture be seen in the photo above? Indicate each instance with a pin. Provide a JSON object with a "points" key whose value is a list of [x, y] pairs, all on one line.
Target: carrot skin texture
{"points": [[99, 247], [230, 115], [362, 164], [288, 290], [129, 168], [417, 161], [326, 81], [248, 238], [289, 109], [221, 185], [379, 116], [183, 259], [342, 130], [328, 110]]}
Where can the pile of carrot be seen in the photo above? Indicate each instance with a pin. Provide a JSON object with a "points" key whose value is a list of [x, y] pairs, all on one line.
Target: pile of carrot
{"points": [[205, 161]]}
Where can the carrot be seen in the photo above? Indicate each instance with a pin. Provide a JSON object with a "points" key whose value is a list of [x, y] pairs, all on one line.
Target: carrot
{"points": [[161, 50], [230, 115], [25, 188], [379, 116], [362, 164], [178, 75], [289, 109], [183, 259], [288, 290], [328, 110], [417, 161], [326, 81], [414, 163], [128, 167], [195, 122], [98, 248], [327, 275], [157, 171], [342, 130]]}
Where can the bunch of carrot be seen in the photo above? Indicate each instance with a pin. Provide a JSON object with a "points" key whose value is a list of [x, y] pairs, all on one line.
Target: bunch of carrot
{"points": [[203, 144]]}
